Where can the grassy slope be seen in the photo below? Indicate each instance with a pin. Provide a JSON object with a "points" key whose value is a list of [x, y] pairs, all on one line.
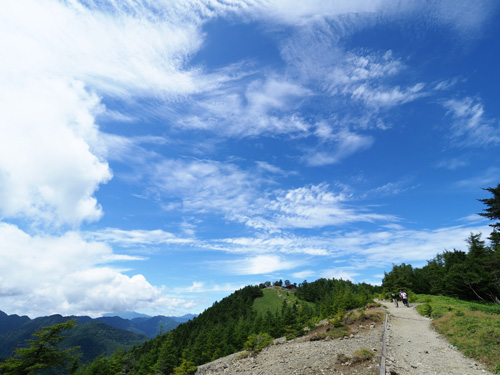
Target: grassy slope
{"points": [[474, 328], [273, 300]]}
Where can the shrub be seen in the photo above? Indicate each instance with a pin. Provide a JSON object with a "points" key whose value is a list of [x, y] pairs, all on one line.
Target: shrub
{"points": [[496, 369], [362, 355], [425, 309], [256, 343]]}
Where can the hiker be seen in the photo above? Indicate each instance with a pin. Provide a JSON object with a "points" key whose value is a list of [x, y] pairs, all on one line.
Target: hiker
{"points": [[404, 297], [394, 298]]}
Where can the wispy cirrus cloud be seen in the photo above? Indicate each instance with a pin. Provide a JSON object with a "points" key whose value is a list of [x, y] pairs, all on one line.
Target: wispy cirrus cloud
{"points": [[335, 145], [470, 127], [137, 237], [211, 187], [264, 107], [317, 206]]}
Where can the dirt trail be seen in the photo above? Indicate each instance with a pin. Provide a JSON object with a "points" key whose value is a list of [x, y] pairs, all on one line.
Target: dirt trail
{"points": [[413, 347]]}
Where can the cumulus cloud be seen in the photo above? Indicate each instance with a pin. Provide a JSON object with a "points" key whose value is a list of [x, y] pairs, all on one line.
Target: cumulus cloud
{"points": [[68, 275], [50, 153]]}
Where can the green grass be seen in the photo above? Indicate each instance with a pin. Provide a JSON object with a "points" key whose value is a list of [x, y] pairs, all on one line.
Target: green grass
{"points": [[273, 300], [474, 328]]}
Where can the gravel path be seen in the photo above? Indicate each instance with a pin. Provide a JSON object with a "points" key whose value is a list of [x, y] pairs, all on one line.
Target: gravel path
{"points": [[410, 345], [306, 356], [413, 347]]}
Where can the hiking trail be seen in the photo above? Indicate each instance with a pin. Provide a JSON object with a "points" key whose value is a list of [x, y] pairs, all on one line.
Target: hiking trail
{"points": [[412, 346]]}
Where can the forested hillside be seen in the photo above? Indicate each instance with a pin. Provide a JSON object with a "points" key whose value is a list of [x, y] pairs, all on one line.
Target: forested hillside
{"points": [[93, 337], [225, 327], [471, 275]]}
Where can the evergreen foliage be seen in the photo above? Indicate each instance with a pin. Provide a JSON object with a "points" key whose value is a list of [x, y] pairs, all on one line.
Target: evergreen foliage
{"points": [[471, 275], [234, 324], [492, 211], [42, 354]]}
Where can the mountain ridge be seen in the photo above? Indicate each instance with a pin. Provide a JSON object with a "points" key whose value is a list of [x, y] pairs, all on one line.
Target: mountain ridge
{"points": [[94, 336]]}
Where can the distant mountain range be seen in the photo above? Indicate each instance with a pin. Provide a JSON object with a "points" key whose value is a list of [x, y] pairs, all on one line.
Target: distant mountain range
{"points": [[130, 315], [95, 336]]}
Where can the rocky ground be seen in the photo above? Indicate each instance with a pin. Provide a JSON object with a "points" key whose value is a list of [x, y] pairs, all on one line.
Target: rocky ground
{"points": [[319, 352], [408, 344]]}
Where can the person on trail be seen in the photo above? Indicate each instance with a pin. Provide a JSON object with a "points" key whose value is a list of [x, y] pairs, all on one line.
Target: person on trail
{"points": [[394, 298], [404, 297]]}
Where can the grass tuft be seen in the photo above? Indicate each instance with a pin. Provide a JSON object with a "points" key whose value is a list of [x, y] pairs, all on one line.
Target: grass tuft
{"points": [[474, 328]]}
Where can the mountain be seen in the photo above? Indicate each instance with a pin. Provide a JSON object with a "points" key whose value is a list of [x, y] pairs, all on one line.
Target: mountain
{"points": [[129, 315], [245, 318], [93, 337], [10, 322], [184, 318], [149, 326]]}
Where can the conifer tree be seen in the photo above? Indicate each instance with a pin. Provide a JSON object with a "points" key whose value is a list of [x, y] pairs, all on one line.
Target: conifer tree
{"points": [[492, 212], [42, 353]]}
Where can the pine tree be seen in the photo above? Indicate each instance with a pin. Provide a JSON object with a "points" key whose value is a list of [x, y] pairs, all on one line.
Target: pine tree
{"points": [[492, 212], [42, 353]]}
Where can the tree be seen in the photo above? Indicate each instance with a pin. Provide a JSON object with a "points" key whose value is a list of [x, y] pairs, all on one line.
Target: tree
{"points": [[42, 353], [492, 212]]}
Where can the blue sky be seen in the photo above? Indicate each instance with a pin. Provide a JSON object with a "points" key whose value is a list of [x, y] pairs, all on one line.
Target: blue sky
{"points": [[157, 155]]}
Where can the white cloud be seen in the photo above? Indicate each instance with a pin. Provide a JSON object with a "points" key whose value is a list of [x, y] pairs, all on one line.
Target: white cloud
{"points": [[203, 288], [487, 179], [344, 144], [261, 264], [340, 273], [381, 97], [391, 244], [316, 206], [465, 17], [210, 187], [67, 275], [205, 185], [113, 52], [452, 164], [470, 127], [264, 107], [404, 245], [50, 164], [304, 274], [391, 188], [60, 54], [130, 238]]}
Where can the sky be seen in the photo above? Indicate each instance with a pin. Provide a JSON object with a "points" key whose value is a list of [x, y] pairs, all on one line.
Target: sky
{"points": [[157, 155]]}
